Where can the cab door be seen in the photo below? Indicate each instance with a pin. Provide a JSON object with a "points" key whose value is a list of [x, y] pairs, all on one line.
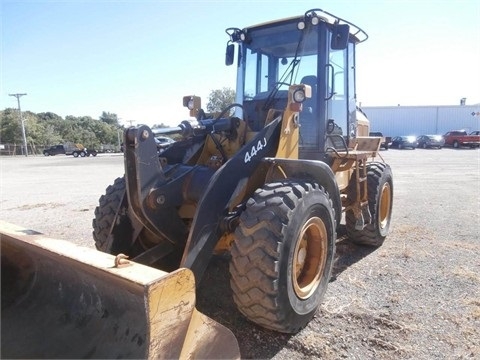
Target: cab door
{"points": [[340, 99], [328, 118]]}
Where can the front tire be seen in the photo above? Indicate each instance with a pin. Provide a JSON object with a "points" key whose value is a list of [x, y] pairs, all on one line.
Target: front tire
{"points": [[112, 228], [283, 255], [106, 220], [114, 233], [380, 201]]}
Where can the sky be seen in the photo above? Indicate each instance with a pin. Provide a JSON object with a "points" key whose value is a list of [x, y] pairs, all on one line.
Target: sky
{"points": [[137, 59]]}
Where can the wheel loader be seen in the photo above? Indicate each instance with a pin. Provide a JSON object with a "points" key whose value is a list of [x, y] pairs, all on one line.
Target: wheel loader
{"points": [[265, 183]]}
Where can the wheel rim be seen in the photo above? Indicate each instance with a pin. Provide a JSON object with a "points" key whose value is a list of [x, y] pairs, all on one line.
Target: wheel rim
{"points": [[385, 205], [309, 258]]}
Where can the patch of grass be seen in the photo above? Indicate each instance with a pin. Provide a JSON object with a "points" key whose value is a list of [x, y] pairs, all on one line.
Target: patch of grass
{"points": [[466, 273], [475, 305], [51, 205], [462, 245]]}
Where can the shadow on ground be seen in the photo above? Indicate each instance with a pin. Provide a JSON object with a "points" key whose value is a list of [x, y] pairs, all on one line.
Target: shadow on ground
{"points": [[347, 253], [214, 298]]}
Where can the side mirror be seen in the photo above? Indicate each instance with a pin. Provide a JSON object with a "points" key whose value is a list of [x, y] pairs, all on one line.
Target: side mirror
{"points": [[229, 54], [340, 34]]}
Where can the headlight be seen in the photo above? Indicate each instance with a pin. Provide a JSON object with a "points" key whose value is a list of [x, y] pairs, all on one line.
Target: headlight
{"points": [[299, 96], [190, 104]]}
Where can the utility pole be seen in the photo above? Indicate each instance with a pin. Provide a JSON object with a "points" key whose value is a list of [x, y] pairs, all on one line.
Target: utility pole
{"points": [[18, 96]]}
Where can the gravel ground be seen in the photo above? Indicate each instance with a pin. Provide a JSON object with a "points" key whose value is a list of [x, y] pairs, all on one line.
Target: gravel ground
{"points": [[416, 297]]}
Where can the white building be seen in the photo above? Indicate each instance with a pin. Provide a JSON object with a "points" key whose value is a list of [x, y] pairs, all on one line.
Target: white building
{"points": [[423, 120]]}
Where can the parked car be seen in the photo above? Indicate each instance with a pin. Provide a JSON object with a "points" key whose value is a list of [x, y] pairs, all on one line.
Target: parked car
{"points": [[163, 142], [430, 141], [386, 140], [54, 150], [404, 142]]}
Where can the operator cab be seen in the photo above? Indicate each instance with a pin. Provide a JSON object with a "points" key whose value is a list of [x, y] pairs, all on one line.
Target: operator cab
{"points": [[315, 50]]}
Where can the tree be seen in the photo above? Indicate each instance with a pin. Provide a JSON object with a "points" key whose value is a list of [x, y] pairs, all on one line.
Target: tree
{"points": [[48, 116], [220, 99], [10, 130], [109, 118], [38, 131]]}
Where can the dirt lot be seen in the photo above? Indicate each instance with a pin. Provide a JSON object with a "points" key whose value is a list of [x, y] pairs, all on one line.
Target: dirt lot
{"points": [[416, 297]]}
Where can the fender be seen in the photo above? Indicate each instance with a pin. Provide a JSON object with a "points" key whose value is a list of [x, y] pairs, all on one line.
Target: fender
{"points": [[314, 170]]}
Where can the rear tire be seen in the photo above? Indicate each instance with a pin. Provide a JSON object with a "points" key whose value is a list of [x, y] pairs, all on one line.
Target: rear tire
{"points": [[380, 201], [75, 154], [283, 255]]}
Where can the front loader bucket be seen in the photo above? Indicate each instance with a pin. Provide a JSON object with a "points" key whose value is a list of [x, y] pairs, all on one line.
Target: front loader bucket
{"points": [[60, 300]]}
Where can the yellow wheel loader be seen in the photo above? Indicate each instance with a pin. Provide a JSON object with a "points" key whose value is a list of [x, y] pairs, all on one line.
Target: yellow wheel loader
{"points": [[266, 183]]}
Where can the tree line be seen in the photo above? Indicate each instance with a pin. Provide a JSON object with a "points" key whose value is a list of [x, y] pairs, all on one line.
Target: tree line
{"points": [[47, 128]]}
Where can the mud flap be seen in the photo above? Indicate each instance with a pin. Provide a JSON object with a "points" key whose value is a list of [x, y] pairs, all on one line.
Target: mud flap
{"points": [[60, 300]]}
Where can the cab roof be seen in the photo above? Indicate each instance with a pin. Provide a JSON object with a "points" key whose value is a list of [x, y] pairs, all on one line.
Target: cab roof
{"points": [[356, 32]]}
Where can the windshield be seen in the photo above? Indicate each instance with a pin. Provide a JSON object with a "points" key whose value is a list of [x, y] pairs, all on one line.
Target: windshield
{"points": [[277, 58]]}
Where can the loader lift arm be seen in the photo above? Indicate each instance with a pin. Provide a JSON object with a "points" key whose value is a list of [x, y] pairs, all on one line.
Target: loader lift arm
{"points": [[155, 193]]}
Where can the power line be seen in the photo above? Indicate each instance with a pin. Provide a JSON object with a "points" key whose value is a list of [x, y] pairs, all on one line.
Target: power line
{"points": [[18, 96]]}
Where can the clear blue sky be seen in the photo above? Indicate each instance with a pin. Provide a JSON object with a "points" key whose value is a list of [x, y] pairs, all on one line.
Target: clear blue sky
{"points": [[137, 59]]}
